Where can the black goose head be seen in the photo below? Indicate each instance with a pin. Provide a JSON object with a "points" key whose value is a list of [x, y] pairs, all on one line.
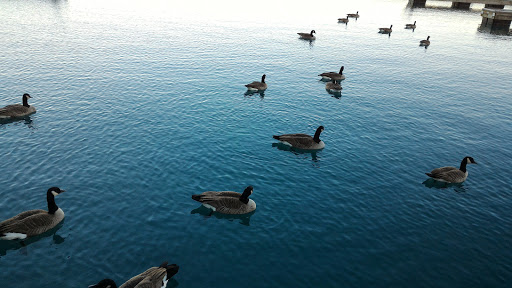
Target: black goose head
{"points": [[414, 23], [390, 26], [428, 38], [25, 99], [245, 195], [55, 191], [470, 160], [263, 78], [171, 269], [312, 31], [341, 69], [105, 283]]}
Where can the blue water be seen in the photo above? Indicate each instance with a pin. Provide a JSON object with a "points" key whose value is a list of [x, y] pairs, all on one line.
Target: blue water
{"points": [[141, 104]]}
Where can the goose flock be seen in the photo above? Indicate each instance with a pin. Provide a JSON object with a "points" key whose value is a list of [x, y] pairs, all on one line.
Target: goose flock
{"points": [[36, 222]]}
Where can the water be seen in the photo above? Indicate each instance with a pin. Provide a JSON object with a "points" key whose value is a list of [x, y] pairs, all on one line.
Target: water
{"points": [[141, 104]]}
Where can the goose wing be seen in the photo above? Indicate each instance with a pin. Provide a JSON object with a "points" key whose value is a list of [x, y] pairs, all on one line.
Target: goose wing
{"points": [[226, 205], [38, 222], [222, 194], [254, 84], [441, 173], [151, 278], [19, 217], [296, 140], [13, 110]]}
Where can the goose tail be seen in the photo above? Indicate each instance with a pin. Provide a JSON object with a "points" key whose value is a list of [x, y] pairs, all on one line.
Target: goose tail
{"points": [[196, 197], [429, 174], [276, 137]]}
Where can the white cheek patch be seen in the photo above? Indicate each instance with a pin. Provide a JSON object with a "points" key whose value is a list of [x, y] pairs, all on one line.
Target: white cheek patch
{"points": [[55, 193]]}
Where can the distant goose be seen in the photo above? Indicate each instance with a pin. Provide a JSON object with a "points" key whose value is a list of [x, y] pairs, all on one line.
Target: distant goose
{"points": [[303, 141], [257, 86], [410, 26], [308, 36], [333, 75], [333, 86], [343, 20], [353, 15], [154, 277], [425, 42], [227, 202], [33, 222], [17, 110], [452, 174], [386, 30]]}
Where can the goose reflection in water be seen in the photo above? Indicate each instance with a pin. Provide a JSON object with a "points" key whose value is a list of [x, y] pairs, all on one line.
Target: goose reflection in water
{"points": [[298, 152], [6, 245], [27, 120], [457, 187], [249, 93], [207, 213]]}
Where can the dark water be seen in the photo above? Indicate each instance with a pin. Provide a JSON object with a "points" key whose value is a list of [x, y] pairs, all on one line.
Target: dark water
{"points": [[141, 104]]}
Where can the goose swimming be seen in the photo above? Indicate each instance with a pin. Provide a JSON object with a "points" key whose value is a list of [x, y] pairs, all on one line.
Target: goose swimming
{"points": [[303, 141], [410, 26], [308, 36], [333, 86], [17, 110], [257, 86], [425, 42], [386, 30], [333, 75], [33, 222], [154, 277], [353, 15], [452, 174], [227, 202], [343, 20]]}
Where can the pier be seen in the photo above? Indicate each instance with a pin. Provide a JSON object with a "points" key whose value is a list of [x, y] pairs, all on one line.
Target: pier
{"points": [[496, 20], [464, 4]]}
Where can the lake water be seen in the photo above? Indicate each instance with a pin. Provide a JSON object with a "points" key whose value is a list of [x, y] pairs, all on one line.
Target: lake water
{"points": [[141, 104]]}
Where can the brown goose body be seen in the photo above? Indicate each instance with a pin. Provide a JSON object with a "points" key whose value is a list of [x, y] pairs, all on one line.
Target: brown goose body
{"points": [[257, 86], [17, 110], [303, 141], [33, 222], [227, 202], [333, 75], [154, 277], [452, 174], [308, 36]]}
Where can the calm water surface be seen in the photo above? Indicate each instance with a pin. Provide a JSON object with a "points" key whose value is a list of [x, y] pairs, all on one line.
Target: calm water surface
{"points": [[141, 104]]}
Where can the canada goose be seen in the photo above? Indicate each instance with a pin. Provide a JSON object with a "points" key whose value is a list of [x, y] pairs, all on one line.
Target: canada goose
{"points": [[303, 141], [452, 174], [425, 42], [333, 75], [343, 20], [386, 30], [257, 86], [333, 86], [308, 36], [410, 26], [227, 202], [354, 15], [154, 277], [33, 222], [17, 110]]}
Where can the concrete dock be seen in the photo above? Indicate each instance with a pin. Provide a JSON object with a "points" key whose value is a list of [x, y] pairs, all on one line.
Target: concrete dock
{"points": [[465, 4]]}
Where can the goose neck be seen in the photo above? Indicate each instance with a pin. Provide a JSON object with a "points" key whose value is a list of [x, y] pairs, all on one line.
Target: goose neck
{"points": [[52, 206], [463, 165]]}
